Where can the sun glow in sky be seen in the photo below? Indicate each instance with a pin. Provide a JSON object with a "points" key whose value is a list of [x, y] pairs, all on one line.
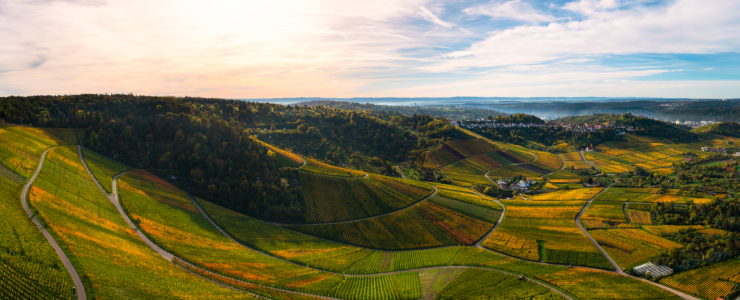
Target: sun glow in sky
{"points": [[386, 48]]}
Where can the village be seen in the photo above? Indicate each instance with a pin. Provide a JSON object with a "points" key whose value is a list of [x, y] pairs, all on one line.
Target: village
{"points": [[487, 123]]}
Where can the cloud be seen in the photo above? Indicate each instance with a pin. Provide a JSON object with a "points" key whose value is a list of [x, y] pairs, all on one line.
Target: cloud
{"points": [[431, 17], [515, 10], [686, 26]]}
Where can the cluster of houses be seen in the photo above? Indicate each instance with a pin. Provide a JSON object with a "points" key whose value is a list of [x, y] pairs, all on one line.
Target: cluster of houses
{"points": [[521, 186], [486, 123], [694, 124], [715, 150]]}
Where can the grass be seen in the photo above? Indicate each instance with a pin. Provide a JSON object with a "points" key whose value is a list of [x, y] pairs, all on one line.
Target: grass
{"points": [[113, 262], [331, 198], [484, 284], [102, 168], [710, 282], [29, 267]]}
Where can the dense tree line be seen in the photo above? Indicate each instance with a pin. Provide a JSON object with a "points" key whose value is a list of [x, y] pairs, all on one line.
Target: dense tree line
{"points": [[549, 135]]}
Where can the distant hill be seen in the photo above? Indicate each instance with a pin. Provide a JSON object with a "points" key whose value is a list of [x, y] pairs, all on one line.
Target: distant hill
{"points": [[446, 111], [590, 119], [725, 128]]}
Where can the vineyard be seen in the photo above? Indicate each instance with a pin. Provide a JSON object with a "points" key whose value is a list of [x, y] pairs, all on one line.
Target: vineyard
{"points": [[29, 267], [575, 195], [22, 147], [111, 258], [640, 217], [711, 282], [102, 168], [648, 195], [483, 284], [605, 212], [547, 161], [574, 160], [330, 198], [512, 171], [631, 247], [168, 217], [546, 231], [651, 154], [591, 284], [423, 226]]}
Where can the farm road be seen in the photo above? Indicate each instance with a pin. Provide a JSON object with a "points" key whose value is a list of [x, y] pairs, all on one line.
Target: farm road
{"points": [[166, 255], [618, 269], [79, 287]]}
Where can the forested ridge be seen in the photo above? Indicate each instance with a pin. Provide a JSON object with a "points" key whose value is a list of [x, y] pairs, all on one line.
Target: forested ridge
{"points": [[206, 146]]}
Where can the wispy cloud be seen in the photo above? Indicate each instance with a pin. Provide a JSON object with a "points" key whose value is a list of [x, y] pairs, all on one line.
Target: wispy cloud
{"points": [[515, 10]]}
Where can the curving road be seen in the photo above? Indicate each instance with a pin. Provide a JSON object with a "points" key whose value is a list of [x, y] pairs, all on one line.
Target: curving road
{"points": [[79, 287], [618, 269]]}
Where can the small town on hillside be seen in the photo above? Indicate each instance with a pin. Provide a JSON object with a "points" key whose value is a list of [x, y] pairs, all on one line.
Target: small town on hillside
{"points": [[486, 123]]}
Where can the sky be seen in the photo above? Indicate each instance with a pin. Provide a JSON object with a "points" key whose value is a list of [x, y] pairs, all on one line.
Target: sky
{"points": [[384, 48]]}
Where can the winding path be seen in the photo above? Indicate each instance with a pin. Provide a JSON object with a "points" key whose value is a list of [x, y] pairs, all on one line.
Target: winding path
{"points": [[166, 255], [616, 266], [79, 287], [586, 160]]}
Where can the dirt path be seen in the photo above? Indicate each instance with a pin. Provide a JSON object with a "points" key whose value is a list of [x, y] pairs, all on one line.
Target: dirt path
{"points": [[166, 255], [618, 269], [79, 287], [586, 160], [400, 172]]}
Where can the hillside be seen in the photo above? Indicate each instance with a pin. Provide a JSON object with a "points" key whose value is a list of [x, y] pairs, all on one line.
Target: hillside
{"points": [[187, 204], [725, 128]]}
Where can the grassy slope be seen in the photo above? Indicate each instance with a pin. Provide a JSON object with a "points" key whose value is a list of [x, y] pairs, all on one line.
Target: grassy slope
{"points": [[102, 168]]}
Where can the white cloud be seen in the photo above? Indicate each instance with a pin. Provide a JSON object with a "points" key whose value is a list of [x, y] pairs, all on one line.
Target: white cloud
{"points": [[515, 10], [431, 17], [686, 26]]}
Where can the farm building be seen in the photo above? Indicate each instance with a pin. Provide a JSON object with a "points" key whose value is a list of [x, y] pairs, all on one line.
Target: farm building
{"points": [[653, 270]]}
